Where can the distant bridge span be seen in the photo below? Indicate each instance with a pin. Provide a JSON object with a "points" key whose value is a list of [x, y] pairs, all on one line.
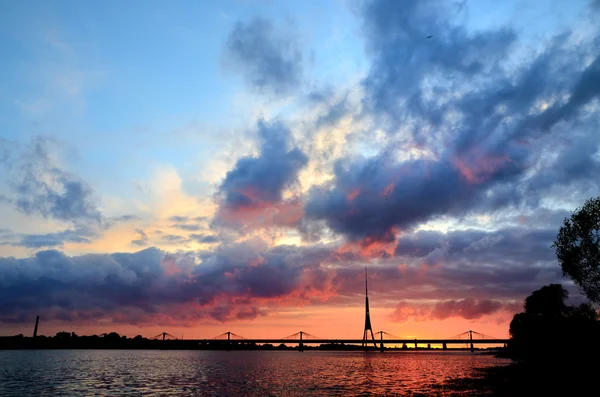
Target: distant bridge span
{"points": [[360, 341], [301, 338]]}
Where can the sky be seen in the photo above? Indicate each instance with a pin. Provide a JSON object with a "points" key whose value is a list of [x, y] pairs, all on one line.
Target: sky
{"points": [[201, 167]]}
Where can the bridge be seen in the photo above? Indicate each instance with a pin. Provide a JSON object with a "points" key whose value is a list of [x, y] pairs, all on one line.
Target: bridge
{"points": [[469, 338]]}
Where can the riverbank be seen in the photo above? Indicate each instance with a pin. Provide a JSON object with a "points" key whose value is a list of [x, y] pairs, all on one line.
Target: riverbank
{"points": [[525, 379]]}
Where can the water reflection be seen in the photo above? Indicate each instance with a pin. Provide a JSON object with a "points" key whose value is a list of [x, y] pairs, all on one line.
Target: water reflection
{"points": [[235, 373]]}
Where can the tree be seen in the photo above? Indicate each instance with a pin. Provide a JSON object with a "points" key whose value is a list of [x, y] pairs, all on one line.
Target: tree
{"points": [[547, 301], [540, 332], [577, 248], [113, 336]]}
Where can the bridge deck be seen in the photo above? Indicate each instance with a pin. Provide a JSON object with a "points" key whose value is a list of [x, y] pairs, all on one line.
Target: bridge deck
{"points": [[360, 341]]}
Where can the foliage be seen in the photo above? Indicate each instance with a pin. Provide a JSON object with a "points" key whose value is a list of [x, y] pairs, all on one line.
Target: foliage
{"points": [[549, 329], [547, 301], [577, 248]]}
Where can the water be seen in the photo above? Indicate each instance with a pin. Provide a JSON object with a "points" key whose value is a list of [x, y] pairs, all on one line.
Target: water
{"points": [[234, 373]]}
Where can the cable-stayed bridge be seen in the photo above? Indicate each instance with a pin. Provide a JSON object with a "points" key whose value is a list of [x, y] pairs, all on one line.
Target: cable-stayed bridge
{"points": [[469, 338]]}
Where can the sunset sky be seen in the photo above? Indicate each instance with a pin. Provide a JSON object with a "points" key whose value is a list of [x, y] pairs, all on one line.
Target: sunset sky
{"points": [[201, 167]]}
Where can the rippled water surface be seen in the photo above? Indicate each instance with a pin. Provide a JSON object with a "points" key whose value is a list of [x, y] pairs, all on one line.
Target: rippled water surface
{"points": [[234, 373]]}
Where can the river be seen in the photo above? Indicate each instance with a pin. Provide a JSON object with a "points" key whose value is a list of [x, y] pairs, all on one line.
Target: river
{"points": [[233, 373]]}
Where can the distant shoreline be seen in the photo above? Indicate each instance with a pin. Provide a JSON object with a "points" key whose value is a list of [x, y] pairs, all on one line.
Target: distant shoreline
{"points": [[121, 343]]}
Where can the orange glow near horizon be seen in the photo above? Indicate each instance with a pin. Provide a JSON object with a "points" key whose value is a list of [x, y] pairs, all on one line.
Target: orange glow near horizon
{"points": [[324, 322]]}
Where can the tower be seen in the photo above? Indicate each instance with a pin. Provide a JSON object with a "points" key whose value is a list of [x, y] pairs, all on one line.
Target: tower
{"points": [[37, 319], [367, 316]]}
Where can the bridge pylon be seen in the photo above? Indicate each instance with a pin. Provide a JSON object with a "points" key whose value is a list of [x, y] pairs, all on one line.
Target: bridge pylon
{"points": [[381, 348]]}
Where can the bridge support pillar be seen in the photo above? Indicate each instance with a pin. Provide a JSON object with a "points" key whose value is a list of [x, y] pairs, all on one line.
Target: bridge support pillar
{"points": [[444, 347], [381, 348], [301, 345], [471, 338], [415, 344]]}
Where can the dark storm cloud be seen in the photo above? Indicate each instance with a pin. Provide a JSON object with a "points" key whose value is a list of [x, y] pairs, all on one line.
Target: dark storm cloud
{"points": [[40, 186], [231, 282], [402, 56], [370, 197], [263, 178], [468, 273], [257, 183], [270, 60], [473, 265], [515, 244], [509, 138]]}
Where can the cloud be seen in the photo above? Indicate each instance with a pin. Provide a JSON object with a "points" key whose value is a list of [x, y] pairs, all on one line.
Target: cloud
{"points": [[269, 59], [403, 58], [481, 136], [49, 240], [470, 309], [190, 224], [439, 274], [430, 266], [142, 239], [190, 228], [124, 218], [204, 238], [40, 186], [252, 192], [173, 239], [178, 218], [232, 282]]}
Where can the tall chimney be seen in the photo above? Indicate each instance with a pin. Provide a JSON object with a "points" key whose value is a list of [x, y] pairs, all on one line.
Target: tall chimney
{"points": [[37, 320]]}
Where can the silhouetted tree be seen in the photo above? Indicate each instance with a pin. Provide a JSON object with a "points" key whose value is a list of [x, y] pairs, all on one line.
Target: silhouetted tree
{"points": [[549, 329], [577, 248], [547, 301], [585, 311], [113, 336]]}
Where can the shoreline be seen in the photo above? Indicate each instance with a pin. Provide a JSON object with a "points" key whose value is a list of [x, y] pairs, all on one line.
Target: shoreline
{"points": [[520, 378]]}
